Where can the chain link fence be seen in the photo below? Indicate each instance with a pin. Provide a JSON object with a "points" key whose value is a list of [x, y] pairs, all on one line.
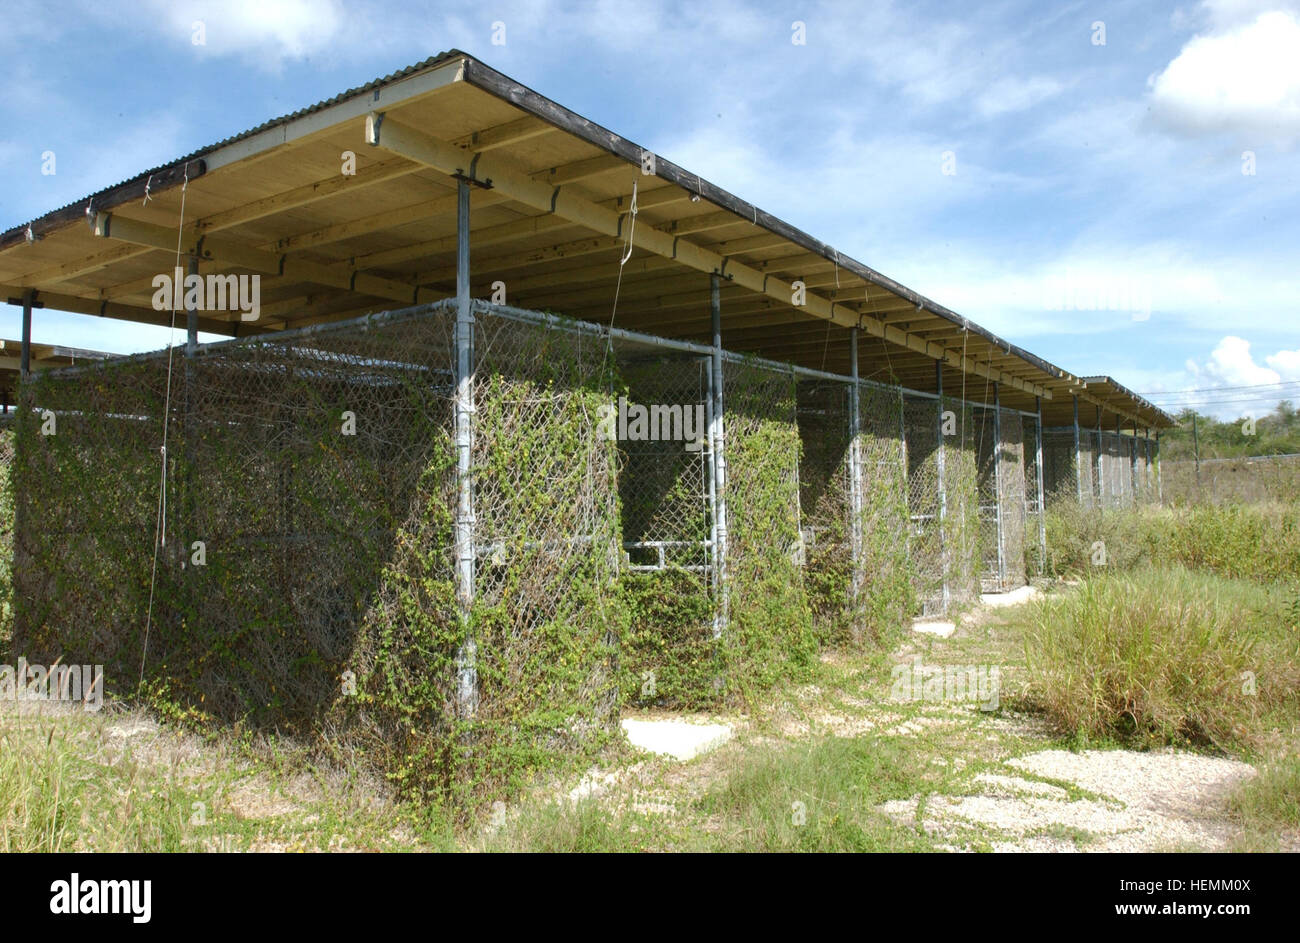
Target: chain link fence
{"points": [[670, 653], [1035, 496], [963, 533], [768, 633], [921, 434], [828, 498], [455, 546]]}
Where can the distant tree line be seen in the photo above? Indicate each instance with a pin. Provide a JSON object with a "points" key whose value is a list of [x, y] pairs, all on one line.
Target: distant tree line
{"points": [[1277, 433]]}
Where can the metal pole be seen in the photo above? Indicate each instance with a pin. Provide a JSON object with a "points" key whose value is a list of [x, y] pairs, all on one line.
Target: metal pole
{"points": [[1160, 481], [940, 464], [467, 657], [1078, 456], [191, 315], [997, 481], [190, 504], [1196, 450], [1133, 462], [1042, 496], [719, 455], [712, 473], [855, 470], [1119, 471], [1147, 473], [1101, 484], [25, 360]]}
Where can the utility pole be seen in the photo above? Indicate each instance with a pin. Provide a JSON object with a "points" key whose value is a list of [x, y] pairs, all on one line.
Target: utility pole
{"points": [[1196, 450]]}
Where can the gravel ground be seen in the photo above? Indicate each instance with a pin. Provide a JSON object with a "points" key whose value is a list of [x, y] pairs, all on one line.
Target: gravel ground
{"points": [[1153, 801]]}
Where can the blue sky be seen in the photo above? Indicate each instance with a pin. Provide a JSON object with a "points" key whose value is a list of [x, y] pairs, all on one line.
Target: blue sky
{"points": [[1076, 170]]}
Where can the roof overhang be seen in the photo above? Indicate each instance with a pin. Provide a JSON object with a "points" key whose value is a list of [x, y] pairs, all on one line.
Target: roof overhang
{"points": [[550, 215]]}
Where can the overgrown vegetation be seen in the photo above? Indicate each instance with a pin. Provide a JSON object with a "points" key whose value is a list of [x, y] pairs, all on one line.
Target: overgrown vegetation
{"points": [[818, 796], [1164, 655], [769, 633], [1255, 542], [57, 795], [6, 539]]}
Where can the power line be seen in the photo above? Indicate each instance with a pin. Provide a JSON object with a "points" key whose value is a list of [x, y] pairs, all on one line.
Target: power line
{"points": [[1224, 389], [1253, 398]]}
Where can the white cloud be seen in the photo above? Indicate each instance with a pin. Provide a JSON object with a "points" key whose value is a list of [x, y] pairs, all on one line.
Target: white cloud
{"points": [[1220, 386], [1245, 79], [1286, 363], [1015, 94], [1232, 364], [260, 32]]}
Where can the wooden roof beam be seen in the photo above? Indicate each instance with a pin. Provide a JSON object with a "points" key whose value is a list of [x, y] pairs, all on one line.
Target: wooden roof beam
{"points": [[78, 304], [125, 229], [403, 141]]}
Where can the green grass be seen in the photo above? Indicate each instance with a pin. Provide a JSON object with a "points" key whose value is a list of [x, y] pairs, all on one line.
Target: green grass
{"points": [[804, 796], [837, 782], [1164, 656], [1271, 800]]}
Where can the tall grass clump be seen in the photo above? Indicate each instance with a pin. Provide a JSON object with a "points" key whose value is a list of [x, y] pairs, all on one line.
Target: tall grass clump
{"points": [[1247, 541], [1258, 542], [1164, 656], [58, 794]]}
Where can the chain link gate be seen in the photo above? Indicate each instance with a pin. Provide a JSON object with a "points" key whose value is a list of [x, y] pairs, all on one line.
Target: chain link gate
{"points": [[81, 562], [546, 617], [1061, 467], [1091, 476], [888, 593], [987, 471], [963, 531]]}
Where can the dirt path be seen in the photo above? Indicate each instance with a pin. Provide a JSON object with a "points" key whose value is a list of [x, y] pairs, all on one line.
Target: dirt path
{"points": [[1007, 785]]}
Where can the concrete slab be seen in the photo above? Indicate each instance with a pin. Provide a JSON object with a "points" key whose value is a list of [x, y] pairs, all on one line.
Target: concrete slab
{"points": [[676, 738], [934, 627], [1013, 598]]}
